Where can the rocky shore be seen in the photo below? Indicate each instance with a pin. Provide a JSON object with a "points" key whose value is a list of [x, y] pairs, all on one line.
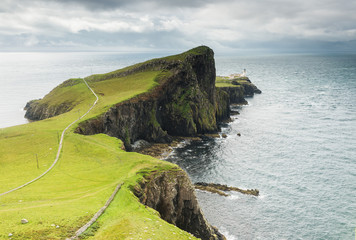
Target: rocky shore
{"points": [[237, 90]]}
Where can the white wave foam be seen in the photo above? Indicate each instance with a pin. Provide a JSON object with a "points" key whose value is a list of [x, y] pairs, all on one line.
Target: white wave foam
{"points": [[262, 196], [233, 197], [228, 235]]}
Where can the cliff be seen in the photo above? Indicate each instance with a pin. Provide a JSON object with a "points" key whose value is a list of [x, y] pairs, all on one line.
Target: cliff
{"points": [[184, 103], [236, 94], [188, 100], [172, 194], [237, 88]]}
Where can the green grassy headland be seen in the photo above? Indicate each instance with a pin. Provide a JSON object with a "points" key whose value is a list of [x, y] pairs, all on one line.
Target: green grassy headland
{"points": [[87, 173]]}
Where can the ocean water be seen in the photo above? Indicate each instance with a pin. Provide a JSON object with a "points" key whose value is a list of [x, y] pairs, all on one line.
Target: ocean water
{"points": [[297, 146], [297, 143]]}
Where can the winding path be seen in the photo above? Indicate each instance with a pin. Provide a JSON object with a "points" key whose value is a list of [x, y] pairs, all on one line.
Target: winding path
{"points": [[59, 147]]}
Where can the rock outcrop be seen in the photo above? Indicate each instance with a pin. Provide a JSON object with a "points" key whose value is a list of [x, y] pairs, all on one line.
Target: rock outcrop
{"points": [[236, 94], [43, 108], [249, 88], [172, 194], [37, 111], [185, 103], [218, 188], [237, 88]]}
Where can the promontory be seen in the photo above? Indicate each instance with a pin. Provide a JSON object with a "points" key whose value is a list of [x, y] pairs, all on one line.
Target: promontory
{"points": [[153, 101]]}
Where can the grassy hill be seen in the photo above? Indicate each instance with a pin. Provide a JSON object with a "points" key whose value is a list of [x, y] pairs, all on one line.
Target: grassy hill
{"points": [[88, 170]]}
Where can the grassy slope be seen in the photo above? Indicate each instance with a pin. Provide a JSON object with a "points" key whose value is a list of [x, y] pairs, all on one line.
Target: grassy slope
{"points": [[88, 170]]}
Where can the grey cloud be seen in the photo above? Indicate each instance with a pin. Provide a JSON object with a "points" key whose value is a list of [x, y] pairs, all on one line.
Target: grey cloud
{"points": [[172, 23], [135, 5]]}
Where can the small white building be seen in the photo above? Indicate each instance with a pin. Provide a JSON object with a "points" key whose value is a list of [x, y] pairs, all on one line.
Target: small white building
{"points": [[237, 75]]}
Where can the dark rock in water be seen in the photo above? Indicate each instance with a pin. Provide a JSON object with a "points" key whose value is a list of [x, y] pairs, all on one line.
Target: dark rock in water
{"points": [[258, 91], [239, 134], [227, 120], [172, 195], [212, 135], [213, 187], [210, 189], [140, 144], [234, 112], [224, 135]]}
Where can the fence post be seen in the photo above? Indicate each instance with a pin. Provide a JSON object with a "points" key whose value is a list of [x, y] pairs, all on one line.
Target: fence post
{"points": [[37, 161]]}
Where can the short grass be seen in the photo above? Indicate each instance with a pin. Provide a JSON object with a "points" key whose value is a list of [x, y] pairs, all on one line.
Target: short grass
{"points": [[120, 223], [222, 81], [115, 90], [70, 92], [88, 170]]}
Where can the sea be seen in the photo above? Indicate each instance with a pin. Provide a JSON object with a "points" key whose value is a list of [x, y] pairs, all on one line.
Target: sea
{"points": [[295, 142]]}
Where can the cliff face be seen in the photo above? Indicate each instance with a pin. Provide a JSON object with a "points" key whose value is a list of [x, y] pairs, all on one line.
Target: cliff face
{"points": [[223, 101], [172, 195], [237, 88], [236, 94], [44, 108], [37, 111], [184, 103]]}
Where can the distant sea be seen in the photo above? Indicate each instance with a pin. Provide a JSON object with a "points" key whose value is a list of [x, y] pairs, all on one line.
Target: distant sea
{"points": [[31, 75], [297, 143]]}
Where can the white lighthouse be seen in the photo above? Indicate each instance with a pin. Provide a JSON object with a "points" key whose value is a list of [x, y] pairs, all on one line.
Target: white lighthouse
{"points": [[243, 73]]}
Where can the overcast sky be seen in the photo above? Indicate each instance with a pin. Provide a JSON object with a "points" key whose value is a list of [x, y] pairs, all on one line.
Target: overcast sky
{"points": [[226, 25]]}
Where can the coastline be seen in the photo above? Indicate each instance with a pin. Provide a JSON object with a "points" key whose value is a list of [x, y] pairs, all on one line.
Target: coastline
{"points": [[197, 112], [163, 151], [263, 157]]}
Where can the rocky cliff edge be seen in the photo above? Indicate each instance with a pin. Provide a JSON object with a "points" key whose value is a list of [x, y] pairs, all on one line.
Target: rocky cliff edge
{"points": [[184, 103], [172, 194]]}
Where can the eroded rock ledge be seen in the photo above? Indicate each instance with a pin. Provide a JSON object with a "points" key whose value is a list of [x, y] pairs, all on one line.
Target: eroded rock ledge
{"points": [[40, 109], [172, 194], [221, 189]]}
